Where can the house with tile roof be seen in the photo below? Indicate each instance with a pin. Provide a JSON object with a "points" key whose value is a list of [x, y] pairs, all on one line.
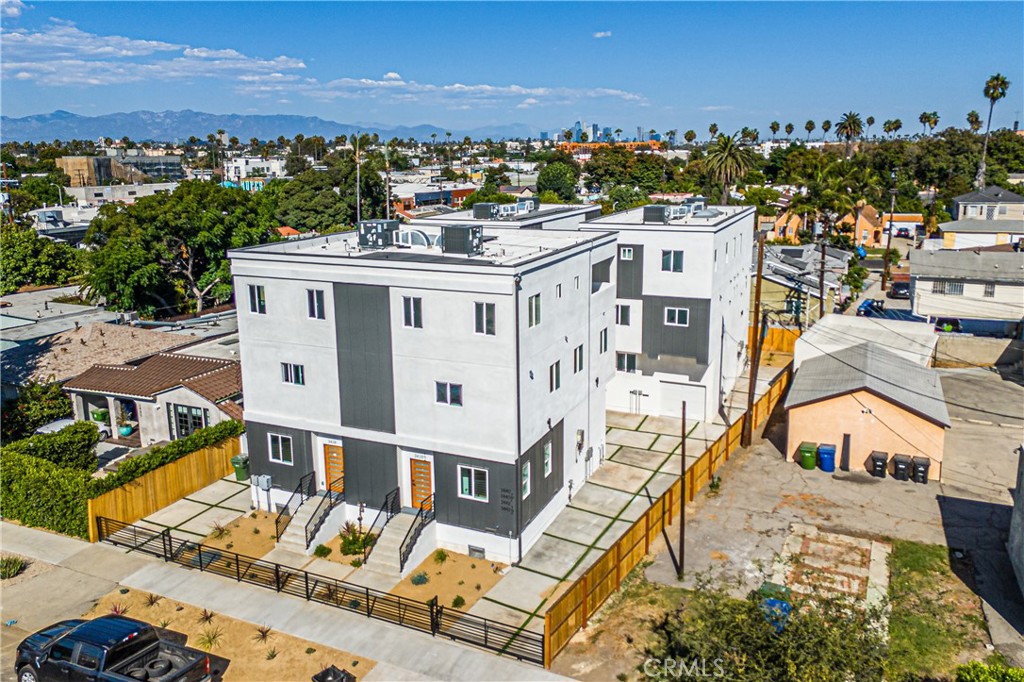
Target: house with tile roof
{"points": [[159, 398]]}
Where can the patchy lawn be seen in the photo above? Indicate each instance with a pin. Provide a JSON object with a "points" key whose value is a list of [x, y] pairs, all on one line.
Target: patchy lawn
{"points": [[936, 619], [280, 657], [250, 535], [457, 576], [612, 646]]}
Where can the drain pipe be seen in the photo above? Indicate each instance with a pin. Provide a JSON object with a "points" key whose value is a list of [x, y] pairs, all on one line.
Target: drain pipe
{"points": [[516, 492]]}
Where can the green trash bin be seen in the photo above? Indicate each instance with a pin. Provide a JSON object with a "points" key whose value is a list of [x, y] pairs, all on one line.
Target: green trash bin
{"points": [[808, 455], [241, 465]]}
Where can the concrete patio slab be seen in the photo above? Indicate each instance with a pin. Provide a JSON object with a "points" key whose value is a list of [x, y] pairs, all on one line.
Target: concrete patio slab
{"points": [[635, 510], [218, 491], [659, 484], [242, 501], [286, 557], [623, 420], [203, 523], [586, 561], [521, 589], [331, 569], [645, 459], [611, 535], [620, 477], [552, 557], [633, 439], [666, 443], [594, 498], [577, 525], [500, 613], [177, 513], [367, 577], [669, 426]]}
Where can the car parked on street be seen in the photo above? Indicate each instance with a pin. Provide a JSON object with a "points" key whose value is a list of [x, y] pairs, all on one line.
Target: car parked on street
{"points": [[61, 424], [899, 290], [903, 233], [109, 649], [869, 307]]}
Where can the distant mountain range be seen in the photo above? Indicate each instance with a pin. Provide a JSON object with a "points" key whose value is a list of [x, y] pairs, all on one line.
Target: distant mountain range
{"points": [[172, 126]]}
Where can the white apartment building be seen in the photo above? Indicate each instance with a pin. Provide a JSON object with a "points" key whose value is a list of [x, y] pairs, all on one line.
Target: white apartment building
{"points": [[240, 167], [527, 213], [474, 372], [683, 293]]}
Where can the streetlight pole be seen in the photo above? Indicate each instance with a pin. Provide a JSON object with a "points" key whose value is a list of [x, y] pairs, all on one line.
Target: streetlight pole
{"points": [[60, 191], [359, 212], [888, 232]]}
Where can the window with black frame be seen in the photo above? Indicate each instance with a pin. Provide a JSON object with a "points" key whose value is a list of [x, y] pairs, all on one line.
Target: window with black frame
{"points": [[187, 420]]}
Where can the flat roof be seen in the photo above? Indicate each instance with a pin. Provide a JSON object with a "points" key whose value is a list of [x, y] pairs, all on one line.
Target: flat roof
{"points": [[982, 266], [980, 226], [502, 247], [545, 211], [711, 217], [914, 341]]}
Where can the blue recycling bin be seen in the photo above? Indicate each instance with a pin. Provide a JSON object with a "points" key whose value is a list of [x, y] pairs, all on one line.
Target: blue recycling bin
{"points": [[827, 457]]}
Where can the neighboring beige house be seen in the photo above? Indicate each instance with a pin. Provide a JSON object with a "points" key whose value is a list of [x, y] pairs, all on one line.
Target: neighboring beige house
{"points": [[991, 203], [161, 398], [975, 284], [864, 399]]}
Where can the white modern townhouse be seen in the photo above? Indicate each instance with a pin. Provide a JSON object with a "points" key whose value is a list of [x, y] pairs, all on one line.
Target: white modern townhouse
{"points": [[683, 288], [526, 213], [465, 376]]}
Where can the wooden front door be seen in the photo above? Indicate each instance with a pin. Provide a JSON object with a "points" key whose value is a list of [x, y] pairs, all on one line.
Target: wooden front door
{"points": [[419, 474], [334, 464]]}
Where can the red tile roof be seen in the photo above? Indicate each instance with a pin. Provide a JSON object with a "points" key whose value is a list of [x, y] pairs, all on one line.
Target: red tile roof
{"points": [[207, 377]]}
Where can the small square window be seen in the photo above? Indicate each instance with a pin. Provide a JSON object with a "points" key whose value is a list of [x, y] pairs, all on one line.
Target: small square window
{"points": [[990, 290], [293, 374], [622, 315], [473, 483], [625, 362], [672, 261], [280, 448], [484, 318], [626, 253], [448, 394], [677, 317]]}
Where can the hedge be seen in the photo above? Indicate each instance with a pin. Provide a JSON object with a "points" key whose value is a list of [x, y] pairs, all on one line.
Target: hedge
{"points": [[41, 493], [73, 447]]}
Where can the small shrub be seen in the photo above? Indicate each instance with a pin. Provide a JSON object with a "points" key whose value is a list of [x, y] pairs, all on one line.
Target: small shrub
{"points": [[210, 638], [353, 603], [263, 633], [477, 586], [253, 515], [124, 590], [11, 566], [322, 551], [255, 531], [440, 556], [715, 485], [472, 565], [219, 531], [458, 602], [354, 542], [229, 546], [310, 650], [118, 609], [271, 654], [206, 616], [622, 677], [357, 562], [420, 578], [164, 623], [462, 582], [152, 599]]}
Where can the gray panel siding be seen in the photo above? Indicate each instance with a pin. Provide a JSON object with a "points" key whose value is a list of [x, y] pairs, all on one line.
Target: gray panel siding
{"points": [[660, 340], [371, 471], [542, 488], [630, 273], [496, 515], [365, 373], [282, 476]]}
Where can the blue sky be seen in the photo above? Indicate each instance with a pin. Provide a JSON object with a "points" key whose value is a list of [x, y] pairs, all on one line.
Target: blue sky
{"points": [[465, 65]]}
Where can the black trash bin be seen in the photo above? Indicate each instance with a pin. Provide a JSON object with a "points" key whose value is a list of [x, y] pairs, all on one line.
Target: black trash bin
{"points": [[921, 465], [879, 463], [901, 467]]}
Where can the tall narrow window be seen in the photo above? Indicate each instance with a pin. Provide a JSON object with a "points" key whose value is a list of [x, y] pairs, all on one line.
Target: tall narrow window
{"points": [[577, 360], [672, 261], [484, 318], [555, 377], [547, 459], [293, 374], [622, 315], [603, 340], [990, 290], [526, 480], [412, 312], [533, 306], [315, 303], [257, 300]]}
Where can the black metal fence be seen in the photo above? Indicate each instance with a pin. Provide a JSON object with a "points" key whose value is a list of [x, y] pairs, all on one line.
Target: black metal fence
{"points": [[427, 617], [303, 491], [423, 517], [334, 496]]}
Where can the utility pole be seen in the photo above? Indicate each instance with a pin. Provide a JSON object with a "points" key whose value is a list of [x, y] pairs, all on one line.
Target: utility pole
{"points": [[681, 571], [821, 275], [888, 232], [748, 423], [359, 208], [387, 182]]}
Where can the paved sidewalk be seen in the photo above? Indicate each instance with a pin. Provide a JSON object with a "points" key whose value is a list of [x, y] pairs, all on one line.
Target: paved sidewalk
{"points": [[83, 573]]}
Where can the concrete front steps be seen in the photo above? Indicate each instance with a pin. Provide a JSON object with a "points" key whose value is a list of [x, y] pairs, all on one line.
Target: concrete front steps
{"points": [[385, 555], [294, 536]]}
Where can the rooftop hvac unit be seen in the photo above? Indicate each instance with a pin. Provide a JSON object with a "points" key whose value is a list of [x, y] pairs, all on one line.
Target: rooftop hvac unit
{"points": [[507, 210], [696, 203], [462, 239], [528, 205], [377, 234], [677, 212], [485, 211], [656, 214]]}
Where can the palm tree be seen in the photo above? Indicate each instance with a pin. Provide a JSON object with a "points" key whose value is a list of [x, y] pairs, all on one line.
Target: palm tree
{"points": [[727, 161], [870, 121], [789, 130], [618, 134], [826, 126], [567, 134], [896, 125], [254, 142], [974, 121], [995, 89], [671, 134], [584, 137], [809, 127], [774, 127], [713, 129], [933, 120], [849, 127], [690, 136], [923, 120], [650, 133]]}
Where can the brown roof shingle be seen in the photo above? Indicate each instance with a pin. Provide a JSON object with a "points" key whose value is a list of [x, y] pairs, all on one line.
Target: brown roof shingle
{"points": [[155, 374], [221, 383]]}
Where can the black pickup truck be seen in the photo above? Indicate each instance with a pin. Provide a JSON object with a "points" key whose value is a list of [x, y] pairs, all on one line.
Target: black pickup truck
{"points": [[109, 648]]}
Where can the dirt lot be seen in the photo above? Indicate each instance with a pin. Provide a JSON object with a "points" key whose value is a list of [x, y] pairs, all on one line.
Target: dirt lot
{"points": [[251, 535], [281, 657], [458, 575]]}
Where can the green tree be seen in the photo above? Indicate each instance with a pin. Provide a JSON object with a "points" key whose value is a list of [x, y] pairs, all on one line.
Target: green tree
{"points": [[73, 447], [763, 198], [35, 405], [995, 90], [690, 136], [789, 130], [295, 164], [559, 178], [726, 161], [826, 126], [809, 127], [713, 130], [774, 127], [923, 119], [973, 121], [26, 258], [849, 128]]}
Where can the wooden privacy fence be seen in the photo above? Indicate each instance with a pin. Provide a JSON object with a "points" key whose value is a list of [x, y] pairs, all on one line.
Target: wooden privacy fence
{"points": [[776, 340], [166, 485], [584, 597]]}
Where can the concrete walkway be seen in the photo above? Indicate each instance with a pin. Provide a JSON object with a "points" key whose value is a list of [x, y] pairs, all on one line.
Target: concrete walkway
{"points": [[643, 462], [82, 573], [220, 502]]}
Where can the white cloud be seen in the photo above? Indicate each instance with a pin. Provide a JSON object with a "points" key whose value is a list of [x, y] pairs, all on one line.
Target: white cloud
{"points": [[603, 34], [203, 52], [527, 103], [11, 8], [717, 107], [392, 76]]}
